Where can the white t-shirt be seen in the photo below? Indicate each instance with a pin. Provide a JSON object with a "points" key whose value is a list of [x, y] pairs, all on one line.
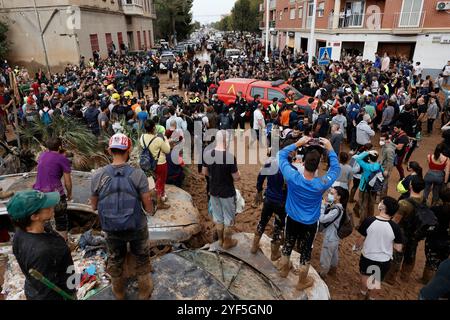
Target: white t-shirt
{"points": [[257, 117], [380, 238], [418, 70], [154, 110]]}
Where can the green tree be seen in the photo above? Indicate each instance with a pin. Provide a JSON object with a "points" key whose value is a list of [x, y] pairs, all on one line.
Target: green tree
{"points": [[4, 45], [174, 16], [245, 16]]}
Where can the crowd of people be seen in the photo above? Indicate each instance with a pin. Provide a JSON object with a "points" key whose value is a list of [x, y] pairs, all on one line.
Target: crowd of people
{"points": [[353, 102]]}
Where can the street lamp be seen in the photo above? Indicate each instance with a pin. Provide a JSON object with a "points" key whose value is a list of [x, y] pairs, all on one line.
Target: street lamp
{"points": [[266, 59], [42, 37]]}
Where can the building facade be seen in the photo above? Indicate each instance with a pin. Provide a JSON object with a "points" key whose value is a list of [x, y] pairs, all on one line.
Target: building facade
{"points": [[74, 28], [416, 29]]}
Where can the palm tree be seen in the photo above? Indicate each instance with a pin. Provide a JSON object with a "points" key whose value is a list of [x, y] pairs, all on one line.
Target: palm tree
{"points": [[88, 151]]}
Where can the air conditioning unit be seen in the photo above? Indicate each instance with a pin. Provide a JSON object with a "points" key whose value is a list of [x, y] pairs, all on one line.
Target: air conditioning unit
{"points": [[443, 5]]}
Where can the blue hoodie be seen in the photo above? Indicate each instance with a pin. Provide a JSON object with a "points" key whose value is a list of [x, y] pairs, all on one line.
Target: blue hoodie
{"points": [[367, 168], [304, 196]]}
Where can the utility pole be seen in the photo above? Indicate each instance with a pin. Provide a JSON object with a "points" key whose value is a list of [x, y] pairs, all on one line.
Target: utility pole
{"points": [[267, 30], [42, 38], [311, 41]]}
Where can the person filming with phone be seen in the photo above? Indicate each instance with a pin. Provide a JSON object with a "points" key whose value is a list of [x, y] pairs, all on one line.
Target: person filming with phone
{"points": [[304, 198]]}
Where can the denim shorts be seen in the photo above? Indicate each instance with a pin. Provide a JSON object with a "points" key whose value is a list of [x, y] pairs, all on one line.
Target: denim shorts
{"points": [[223, 210]]}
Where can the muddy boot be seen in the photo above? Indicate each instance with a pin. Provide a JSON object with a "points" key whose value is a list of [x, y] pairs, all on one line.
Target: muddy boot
{"points": [[118, 287], [304, 281], [405, 274], [275, 253], [160, 205], [145, 286], [219, 230], [332, 271], [255, 246], [284, 266], [427, 275], [5, 194], [228, 241]]}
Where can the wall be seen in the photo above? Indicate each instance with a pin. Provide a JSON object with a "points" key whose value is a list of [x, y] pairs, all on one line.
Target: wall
{"points": [[26, 45], [93, 22], [431, 55]]}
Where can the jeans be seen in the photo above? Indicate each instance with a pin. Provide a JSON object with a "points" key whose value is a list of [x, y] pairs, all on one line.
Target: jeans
{"points": [[61, 218], [302, 235], [399, 166], [269, 208], [434, 181], [430, 123], [155, 92], [117, 251], [329, 256]]}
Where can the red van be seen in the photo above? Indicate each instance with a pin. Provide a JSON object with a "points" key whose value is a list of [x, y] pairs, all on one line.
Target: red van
{"points": [[267, 90]]}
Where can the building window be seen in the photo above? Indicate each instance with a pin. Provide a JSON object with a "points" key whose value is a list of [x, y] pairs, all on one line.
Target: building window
{"points": [[94, 42], [150, 38], [145, 39], [139, 40], [300, 12], [354, 13], [120, 38], [411, 13], [108, 41], [281, 15], [292, 14], [320, 9]]}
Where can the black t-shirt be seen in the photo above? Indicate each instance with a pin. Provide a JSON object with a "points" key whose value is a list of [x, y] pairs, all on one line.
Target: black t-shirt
{"points": [[220, 173], [441, 233], [47, 253], [401, 139], [409, 121]]}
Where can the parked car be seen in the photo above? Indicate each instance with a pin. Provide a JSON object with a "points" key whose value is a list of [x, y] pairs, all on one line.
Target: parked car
{"points": [[234, 54], [164, 60]]}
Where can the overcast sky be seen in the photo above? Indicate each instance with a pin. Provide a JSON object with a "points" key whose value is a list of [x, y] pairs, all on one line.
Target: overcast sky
{"points": [[206, 11]]}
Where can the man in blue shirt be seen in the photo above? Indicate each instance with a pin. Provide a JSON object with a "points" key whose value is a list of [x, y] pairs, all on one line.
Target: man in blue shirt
{"points": [[304, 198], [274, 202]]}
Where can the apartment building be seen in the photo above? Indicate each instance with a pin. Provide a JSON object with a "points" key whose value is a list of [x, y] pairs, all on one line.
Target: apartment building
{"points": [[74, 28], [417, 29]]}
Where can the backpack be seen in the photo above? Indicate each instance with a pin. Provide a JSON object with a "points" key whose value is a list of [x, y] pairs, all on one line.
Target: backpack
{"points": [[420, 224], [46, 119], [119, 205], [376, 181], [380, 105], [345, 225], [146, 161], [225, 122]]}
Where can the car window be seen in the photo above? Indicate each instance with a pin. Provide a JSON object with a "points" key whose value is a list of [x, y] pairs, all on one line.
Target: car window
{"points": [[275, 94], [257, 90]]}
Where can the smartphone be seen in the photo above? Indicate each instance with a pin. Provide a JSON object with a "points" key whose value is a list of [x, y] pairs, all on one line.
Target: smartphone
{"points": [[314, 142]]}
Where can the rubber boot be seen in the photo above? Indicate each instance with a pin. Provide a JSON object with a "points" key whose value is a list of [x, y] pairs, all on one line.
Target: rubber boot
{"points": [[228, 241], [275, 253], [145, 286], [118, 287], [255, 246], [333, 271], [304, 281], [284, 266], [219, 230], [391, 275], [160, 205], [405, 274], [427, 275]]}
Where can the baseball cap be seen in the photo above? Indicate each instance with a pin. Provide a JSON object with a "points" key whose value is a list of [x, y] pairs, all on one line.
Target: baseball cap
{"points": [[119, 141], [26, 203]]}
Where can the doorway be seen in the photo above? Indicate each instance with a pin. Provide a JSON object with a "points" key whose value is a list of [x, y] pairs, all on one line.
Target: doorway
{"points": [[130, 40]]}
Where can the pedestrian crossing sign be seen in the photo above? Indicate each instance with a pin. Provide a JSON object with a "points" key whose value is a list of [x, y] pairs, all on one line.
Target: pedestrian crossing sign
{"points": [[324, 55]]}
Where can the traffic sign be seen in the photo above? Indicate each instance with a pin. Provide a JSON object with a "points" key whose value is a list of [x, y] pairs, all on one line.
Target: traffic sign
{"points": [[325, 55]]}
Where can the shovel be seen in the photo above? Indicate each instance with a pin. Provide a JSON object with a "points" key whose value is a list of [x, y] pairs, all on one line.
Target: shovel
{"points": [[38, 276]]}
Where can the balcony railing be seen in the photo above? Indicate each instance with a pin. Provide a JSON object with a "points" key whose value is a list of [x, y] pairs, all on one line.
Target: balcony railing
{"points": [[132, 8], [272, 24], [375, 21]]}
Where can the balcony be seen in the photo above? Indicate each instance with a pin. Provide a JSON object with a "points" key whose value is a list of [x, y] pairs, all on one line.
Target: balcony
{"points": [[132, 8], [272, 24], [399, 22]]}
